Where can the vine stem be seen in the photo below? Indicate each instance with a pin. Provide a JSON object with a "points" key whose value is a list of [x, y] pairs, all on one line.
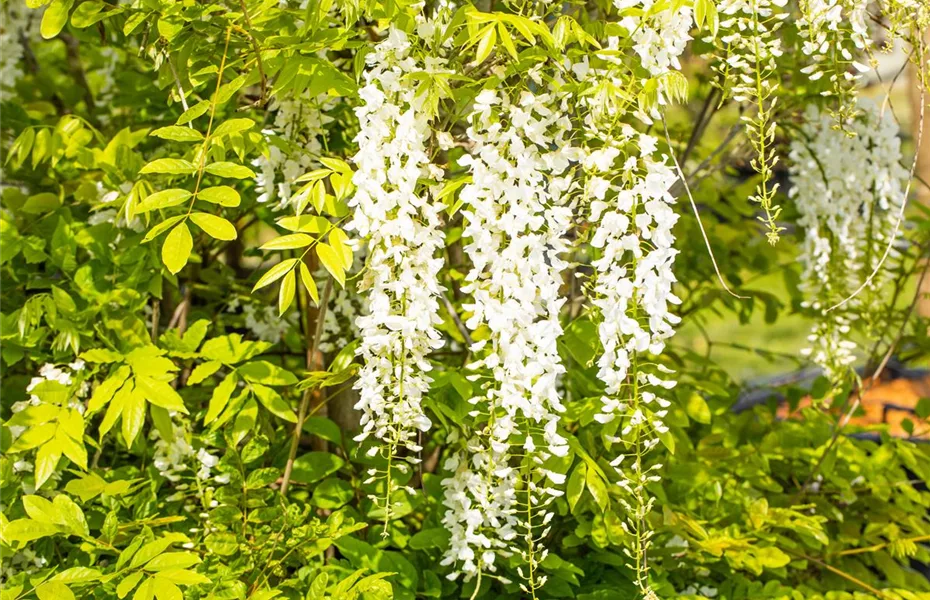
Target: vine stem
{"points": [[305, 399], [684, 181]]}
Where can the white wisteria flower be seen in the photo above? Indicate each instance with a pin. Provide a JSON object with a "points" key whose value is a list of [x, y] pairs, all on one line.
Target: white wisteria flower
{"points": [[848, 184], [402, 225]]}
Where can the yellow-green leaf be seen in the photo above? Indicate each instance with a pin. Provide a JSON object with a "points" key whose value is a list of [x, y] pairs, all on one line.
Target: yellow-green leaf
{"points": [[307, 279], [216, 227], [274, 273], [177, 248], [177, 133], [486, 44], [193, 112], [46, 460], [221, 194], [55, 18], [233, 126], [163, 199], [170, 166], [286, 293], [161, 228], [54, 590], [332, 261], [231, 170], [133, 416], [289, 242], [338, 239]]}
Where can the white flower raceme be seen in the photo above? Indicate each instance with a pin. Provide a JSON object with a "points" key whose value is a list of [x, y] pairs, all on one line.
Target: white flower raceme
{"points": [[294, 140], [402, 226], [659, 34], [848, 190], [16, 23], [746, 54], [517, 214], [631, 292], [835, 33], [481, 507], [633, 274]]}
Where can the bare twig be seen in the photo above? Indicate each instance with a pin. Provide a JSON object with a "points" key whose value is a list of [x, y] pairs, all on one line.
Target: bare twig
{"points": [[697, 215]]}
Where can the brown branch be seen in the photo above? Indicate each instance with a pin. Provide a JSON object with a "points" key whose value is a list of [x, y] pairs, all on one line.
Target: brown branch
{"points": [[305, 399]]}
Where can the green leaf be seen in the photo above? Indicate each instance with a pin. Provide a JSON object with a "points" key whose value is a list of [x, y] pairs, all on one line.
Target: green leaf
{"points": [[306, 224], [55, 18], [21, 147], [274, 273], [598, 489], [163, 199], [220, 397], [27, 530], [193, 112], [47, 458], [77, 575], [146, 591], [486, 43], [339, 241], [216, 227], [184, 577], [172, 560], [129, 583], [231, 170], [314, 466], [177, 248], [436, 537], [87, 488], [288, 242], [169, 166], [286, 292], [222, 543], [203, 370], [697, 408], [307, 279], [331, 494], [160, 394], [232, 126], [151, 550], [161, 228], [266, 373], [166, 590], [275, 404], [221, 194], [177, 133], [54, 590], [575, 487], [133, 416], [332, 260]]}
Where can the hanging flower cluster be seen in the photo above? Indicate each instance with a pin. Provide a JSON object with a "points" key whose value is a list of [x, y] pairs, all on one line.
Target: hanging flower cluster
{"points": [[15, 27], [835, 33], [659, 33], [402, 226], [294, 142], [632, 293], [517, 211], [747, 50], [848, 190]]}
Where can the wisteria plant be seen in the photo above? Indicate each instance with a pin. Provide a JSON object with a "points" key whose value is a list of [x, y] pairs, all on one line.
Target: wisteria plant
{"points": [[364, 299]]}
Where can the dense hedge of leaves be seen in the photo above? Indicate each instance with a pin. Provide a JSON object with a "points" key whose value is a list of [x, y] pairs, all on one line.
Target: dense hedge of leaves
{"points": [[182, 252]]}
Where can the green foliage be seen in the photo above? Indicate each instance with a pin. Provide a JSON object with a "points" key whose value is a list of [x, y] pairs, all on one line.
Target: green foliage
{"points": [[178, 451]]}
